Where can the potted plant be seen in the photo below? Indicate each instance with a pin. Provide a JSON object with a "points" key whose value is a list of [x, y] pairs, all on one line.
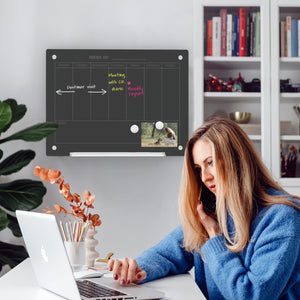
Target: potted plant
{"points": [[24, 194]]}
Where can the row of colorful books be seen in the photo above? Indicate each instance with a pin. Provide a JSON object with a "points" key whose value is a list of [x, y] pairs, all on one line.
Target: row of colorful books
{"points": [[289, 37], [232, 34]]}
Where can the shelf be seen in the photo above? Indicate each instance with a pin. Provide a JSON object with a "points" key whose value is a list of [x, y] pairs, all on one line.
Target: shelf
{"points": [[237, 59], [282, 103], [290, 95], [232, 62], [253, 137], [226, 67], [290, 138], [290, 59], [236, 97], [289, 181], [289, 63]]}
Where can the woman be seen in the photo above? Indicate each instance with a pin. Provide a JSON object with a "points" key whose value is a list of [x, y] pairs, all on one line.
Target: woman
{"points": [[246, 245]]}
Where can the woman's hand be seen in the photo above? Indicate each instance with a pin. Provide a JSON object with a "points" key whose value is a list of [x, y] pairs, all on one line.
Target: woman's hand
{"points": [[209, 223], [126, 271]]}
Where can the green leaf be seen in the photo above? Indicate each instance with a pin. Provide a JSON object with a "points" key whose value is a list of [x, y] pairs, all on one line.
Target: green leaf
{"points": [[16, 162], [18, 112], [34, 133], [14, 226], [3, 220], [11, 254], [23, 194], [5, 115]]}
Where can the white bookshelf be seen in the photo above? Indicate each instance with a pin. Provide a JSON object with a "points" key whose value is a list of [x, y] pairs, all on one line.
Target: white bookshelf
{"points": [[206, 103], [282, 103]]}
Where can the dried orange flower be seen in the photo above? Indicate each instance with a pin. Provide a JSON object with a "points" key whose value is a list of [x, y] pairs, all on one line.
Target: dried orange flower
{"points": [[77, 209]]}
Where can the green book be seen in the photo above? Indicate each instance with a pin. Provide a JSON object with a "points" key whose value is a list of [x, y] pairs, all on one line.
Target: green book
{"points": [[257, 37]]}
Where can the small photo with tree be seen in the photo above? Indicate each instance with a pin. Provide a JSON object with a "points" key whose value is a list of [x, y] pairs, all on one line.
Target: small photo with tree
{"points": [[153, 137]]}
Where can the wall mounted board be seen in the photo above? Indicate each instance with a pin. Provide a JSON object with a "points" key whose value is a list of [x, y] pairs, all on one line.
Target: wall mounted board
{"points": [[117, 101]]}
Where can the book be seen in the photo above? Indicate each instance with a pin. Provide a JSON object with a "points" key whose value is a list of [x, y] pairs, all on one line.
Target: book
{"points": [[251, 38], [254, 34], [294, 38], [223, 15], [209, 38], [233, 35], [205, 41], [242, 39], [298, 38], [247, 43], [257, 34], [282, 38], [229, 35], [237, 44], [289, 36], [216, 40]]}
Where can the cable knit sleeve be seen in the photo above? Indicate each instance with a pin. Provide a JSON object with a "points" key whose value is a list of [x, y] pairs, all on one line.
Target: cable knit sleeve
{"points": [[268, 266], [166, 258]]}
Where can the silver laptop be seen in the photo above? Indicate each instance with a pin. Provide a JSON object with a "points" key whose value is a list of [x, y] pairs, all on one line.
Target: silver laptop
{"points": [[54, 272]]}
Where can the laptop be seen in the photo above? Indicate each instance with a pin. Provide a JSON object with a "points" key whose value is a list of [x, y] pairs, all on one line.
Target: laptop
{"points": [[53, 271]]}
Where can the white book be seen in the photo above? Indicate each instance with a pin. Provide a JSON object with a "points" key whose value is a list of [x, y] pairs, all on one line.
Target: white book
{"points": [[298, 38], [216, 41], [289, 35], [229, 35]]}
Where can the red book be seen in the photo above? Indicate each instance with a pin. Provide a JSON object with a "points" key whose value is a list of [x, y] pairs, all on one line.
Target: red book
{"points": [[209, 36], [242, 47], [223, 15]]}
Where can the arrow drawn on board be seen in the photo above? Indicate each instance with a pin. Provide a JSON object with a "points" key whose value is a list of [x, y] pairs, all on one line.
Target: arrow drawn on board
{"points": [[102, 92], [60, 92]]}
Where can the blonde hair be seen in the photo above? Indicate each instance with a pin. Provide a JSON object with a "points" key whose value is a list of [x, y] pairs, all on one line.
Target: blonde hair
{"points": [[242, 181]]}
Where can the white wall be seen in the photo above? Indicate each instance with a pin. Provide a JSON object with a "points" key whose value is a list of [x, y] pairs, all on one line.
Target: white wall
{"points": [[135, 197]]}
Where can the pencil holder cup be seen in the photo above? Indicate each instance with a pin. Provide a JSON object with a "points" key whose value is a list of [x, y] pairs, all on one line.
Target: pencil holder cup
{"points": [[76, 254]]}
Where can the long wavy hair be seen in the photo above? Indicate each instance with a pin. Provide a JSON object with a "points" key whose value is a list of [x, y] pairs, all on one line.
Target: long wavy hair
{"points": [[242, 180]]}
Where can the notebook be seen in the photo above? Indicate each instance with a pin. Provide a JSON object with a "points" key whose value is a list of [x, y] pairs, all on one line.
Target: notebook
{"points": [[54, 272]]}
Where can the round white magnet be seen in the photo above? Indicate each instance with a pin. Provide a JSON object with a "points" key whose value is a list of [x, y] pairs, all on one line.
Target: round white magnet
{"points": [[134, 128], [159, 125]]}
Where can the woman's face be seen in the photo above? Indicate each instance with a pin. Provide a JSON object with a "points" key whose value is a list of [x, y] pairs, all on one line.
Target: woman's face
{"points": [[204, 164]]}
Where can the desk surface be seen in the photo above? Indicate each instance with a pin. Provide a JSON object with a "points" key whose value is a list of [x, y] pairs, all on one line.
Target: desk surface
{"points": [[20, 283]]}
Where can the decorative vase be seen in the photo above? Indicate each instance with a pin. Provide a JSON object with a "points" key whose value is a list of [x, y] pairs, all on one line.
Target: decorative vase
{"points": [[90, 242]]}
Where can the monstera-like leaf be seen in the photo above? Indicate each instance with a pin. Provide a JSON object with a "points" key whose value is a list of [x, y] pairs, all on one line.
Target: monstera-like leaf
{"points": [[23, 194]]}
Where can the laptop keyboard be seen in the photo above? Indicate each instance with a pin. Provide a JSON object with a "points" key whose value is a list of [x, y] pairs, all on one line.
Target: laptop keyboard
{"points": [[90, 289]]}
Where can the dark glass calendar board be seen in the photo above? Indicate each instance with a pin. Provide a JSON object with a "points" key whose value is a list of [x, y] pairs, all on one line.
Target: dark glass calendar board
{"points": [[117, 101]]}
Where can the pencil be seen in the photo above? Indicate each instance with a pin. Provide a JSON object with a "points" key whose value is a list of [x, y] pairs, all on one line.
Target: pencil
{"points": [[74, 227], [83, 232], [68, 232], [63, 231], [71, 231], [77, 232]]}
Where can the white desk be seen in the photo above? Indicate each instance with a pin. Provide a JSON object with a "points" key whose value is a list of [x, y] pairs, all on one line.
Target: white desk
{"points": [[20, 283]]}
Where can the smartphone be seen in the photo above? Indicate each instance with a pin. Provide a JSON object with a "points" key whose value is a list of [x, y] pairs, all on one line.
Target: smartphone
{"points": [[208, 199]]}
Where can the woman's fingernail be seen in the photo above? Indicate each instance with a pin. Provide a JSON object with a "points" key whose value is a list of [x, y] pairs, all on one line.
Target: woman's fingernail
{"points": [[115, 277], [122, 281], [199, 202], [139, 276], [128, 281]]}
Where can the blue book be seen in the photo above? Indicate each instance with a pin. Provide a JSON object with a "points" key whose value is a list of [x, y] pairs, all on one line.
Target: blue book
{"points": [[294, 38], [237, 44], [233, 38]]}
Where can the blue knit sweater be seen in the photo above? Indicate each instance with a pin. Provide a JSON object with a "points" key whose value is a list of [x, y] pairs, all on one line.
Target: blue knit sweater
{"points": [[268, 268]]}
